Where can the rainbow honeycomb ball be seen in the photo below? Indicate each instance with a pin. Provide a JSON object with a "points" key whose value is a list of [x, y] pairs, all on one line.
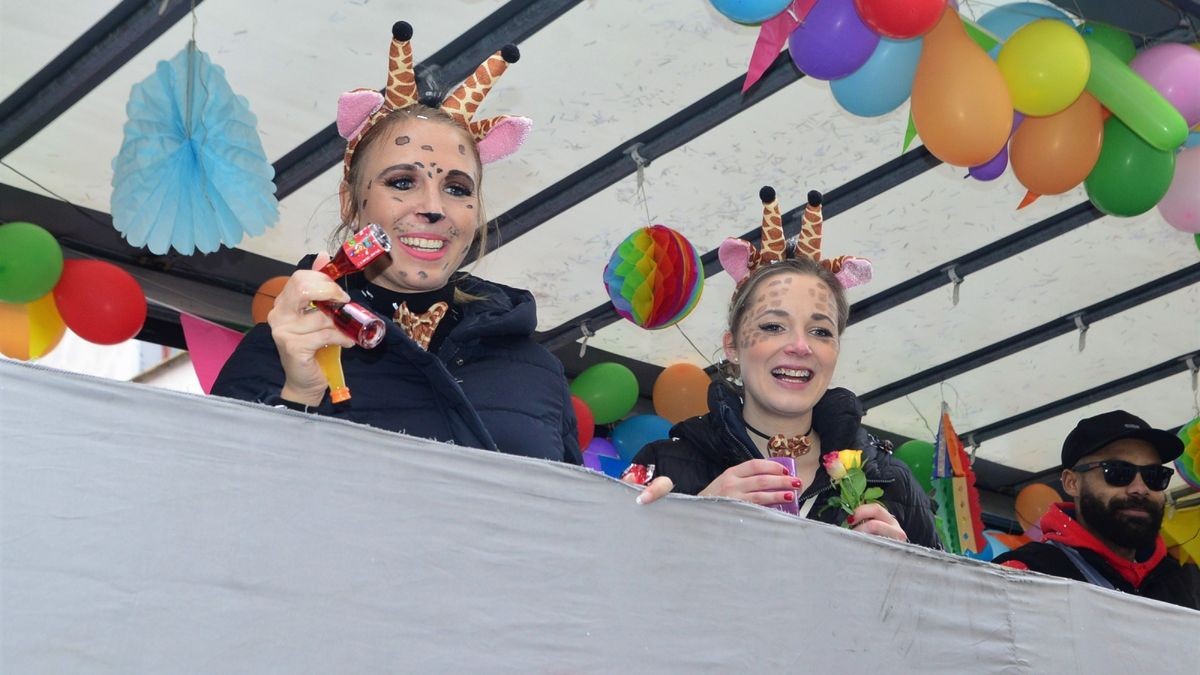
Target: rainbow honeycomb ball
{"points": [[1188, 464], [654, 277]]}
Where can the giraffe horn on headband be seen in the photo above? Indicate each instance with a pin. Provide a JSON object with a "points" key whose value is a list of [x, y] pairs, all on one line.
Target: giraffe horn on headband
{"points": [[808, 242], [773, 243], [849, 270], [464, 101], [401, 90]]}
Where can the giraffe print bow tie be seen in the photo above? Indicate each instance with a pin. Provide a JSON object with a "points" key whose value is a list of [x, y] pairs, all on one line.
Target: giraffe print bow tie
{"points": [[420, 327], [788, 446]]}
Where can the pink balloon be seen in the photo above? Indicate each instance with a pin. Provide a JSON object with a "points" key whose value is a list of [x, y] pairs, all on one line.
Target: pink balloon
{"points": [[1174, 71], [1180, 207]]}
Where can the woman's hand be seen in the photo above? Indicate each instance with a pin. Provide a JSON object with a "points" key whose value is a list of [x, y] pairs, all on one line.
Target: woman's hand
{"points": [[299, 330], [875, 519], [758, 481], [656, 489]]}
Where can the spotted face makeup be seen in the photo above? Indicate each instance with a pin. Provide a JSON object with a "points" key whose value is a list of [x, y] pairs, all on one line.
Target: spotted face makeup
{"points": [[786, 348], [423, 192]]}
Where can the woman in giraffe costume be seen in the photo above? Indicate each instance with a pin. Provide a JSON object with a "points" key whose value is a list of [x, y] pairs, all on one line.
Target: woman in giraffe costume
{"points": [[786, 319], [457, 347]]}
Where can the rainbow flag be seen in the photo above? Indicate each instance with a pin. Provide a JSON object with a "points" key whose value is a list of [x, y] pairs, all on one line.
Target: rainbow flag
{"points": [[960, 522]]}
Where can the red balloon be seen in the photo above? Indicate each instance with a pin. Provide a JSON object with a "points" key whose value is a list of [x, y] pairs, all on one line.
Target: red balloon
{"points": [[100, 302], [900, 19], [585, 420]]}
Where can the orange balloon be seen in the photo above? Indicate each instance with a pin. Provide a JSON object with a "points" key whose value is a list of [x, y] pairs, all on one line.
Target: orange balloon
{"points": [[681, 392], [1032, 503], [960, 105], [264, 298], [1053, 154], [31, 330]]}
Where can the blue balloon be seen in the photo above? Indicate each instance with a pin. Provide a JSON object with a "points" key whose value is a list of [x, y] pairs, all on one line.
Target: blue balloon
{"points": [[1193, 140], [883, 83], [750, 11], [632, 434], [1003, 21]]}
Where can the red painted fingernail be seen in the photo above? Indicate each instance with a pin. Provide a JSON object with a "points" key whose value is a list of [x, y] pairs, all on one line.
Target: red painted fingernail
{"points": [[850, 519], [797, 484], [789, 496]]}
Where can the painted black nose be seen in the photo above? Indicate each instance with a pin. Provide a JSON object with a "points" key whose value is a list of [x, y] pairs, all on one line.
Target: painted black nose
{"points": [[433, 217]]}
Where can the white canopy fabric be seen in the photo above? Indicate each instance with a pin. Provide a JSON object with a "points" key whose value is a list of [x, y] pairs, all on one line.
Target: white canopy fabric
{"points": [[150, 531]]}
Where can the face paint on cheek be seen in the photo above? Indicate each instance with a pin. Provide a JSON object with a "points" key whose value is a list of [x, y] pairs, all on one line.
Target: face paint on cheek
{"points": [[453, 231], [470, 206], [428, 148], [751, 333], [364, 205], [403, 140], [422, 275]]}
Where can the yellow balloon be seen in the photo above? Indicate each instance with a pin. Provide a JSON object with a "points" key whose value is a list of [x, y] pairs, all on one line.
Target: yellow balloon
{"points": [[31, 330], [1046, 66]]}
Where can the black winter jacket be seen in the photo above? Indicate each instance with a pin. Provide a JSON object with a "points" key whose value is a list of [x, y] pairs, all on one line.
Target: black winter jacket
{"points": [[1153, 575], [701, 448], [489, 385]]}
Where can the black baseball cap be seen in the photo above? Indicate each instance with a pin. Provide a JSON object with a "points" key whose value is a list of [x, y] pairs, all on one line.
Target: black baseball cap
{"points": [[1094, 433]]}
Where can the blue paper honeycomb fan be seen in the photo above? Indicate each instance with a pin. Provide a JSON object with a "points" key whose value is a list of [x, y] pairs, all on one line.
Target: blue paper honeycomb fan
{"points": [[191, 173]]}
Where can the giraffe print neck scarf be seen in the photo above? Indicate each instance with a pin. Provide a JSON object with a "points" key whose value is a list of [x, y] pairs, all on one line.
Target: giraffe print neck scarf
{"points": [[420, 327]]}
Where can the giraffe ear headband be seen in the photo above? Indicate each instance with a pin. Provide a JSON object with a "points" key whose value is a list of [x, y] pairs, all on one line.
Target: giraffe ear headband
{"points": [[739, 257], [496, 137]]}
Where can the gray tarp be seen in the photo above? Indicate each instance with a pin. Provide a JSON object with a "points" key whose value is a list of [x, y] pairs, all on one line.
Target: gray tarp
{"points": [[148, 531]]}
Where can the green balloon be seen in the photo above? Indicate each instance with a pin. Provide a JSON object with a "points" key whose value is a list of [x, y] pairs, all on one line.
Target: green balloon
{"points": [[609, 389], [1111, 38], [918, 455], [31, 262], [1132, 100], [1198, 242], [1130, 176]]}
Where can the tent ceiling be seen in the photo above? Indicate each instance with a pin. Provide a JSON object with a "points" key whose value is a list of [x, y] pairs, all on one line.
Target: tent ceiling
{"points": [[597, 77]]}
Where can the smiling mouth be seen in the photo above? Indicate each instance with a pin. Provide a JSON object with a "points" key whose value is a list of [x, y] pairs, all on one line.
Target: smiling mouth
{"points": [[792, 374], [423, 244]]}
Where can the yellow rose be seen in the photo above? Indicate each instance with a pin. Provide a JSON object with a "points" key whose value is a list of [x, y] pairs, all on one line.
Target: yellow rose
{"points": [[851, 459]]}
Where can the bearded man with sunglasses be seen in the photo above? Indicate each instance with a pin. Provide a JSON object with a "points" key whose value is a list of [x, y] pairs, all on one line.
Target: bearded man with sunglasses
{"points": [[1113, 469]]}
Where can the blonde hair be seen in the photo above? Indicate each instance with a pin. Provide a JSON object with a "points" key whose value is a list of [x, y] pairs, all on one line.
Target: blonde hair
{"points": [[353, 179]]}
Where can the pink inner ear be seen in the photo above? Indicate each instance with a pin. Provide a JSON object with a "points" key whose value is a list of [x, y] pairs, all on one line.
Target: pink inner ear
{"points": [[354, 109], [854, 272], [504, 139], [734, 255]]}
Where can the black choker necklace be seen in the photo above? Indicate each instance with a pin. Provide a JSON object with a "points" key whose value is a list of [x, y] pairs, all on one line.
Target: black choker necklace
{"points": [[785, 446]]}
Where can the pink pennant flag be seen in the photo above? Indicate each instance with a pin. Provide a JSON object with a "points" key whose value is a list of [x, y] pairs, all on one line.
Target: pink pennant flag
{"points": [[772, 35], [209, 345]]}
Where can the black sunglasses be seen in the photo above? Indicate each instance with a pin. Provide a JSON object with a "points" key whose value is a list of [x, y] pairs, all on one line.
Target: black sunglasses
{"points": [[1119, 474]]}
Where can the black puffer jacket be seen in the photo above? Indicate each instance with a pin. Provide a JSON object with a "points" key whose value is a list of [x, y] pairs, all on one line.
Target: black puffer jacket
{"points": [[701, 448], [489, 385]]}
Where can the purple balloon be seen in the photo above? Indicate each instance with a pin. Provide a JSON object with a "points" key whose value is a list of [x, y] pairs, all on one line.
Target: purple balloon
{"points": [[994, 167], [603, 447], [592, 461], [832, 42], [1174, 71], [991, 169]]}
